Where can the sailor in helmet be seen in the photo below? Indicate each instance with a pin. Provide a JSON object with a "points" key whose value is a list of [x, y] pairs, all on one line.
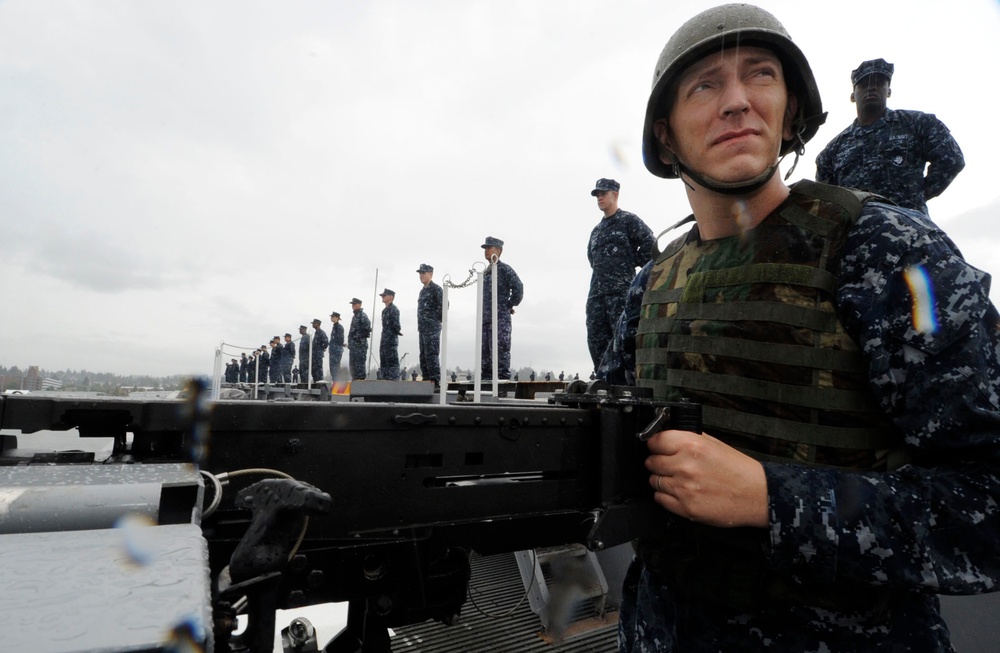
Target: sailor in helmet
{"points": [[848, 364]]}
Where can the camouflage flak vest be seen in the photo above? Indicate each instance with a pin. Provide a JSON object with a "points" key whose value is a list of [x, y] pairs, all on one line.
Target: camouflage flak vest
{"points": [[746, 326]]}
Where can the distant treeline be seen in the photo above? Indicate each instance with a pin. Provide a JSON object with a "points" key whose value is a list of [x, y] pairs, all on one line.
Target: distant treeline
{"points": [[13, 377]]}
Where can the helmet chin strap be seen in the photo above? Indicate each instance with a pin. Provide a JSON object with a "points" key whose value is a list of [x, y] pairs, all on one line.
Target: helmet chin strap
{"points": [[744, 187], [747, 186]]}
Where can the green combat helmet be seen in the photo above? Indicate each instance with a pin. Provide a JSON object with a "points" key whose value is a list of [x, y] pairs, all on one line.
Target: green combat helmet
{"points": [[714, 30]]}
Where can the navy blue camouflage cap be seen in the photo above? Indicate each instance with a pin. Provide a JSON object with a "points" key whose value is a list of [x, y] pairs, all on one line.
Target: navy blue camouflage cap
{"points": [[317, 321], [335, 314], [386, 291], [288, 335], [872, 67], [355, 300], [425, 268], [492, 242], [605, 185], [302, 327]]}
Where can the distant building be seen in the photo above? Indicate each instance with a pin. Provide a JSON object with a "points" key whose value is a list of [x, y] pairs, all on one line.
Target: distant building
{"points": [[51, 384], [32, 380]]}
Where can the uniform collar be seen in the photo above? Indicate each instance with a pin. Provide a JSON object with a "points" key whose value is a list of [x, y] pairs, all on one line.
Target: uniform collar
{"points": [[888, 116]]}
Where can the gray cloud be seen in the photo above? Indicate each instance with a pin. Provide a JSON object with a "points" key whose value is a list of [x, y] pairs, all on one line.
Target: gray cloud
{"points": [[179, 175]]}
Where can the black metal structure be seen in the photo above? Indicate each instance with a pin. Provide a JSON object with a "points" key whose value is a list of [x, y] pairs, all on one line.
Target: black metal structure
{"points": [[382, 502]]}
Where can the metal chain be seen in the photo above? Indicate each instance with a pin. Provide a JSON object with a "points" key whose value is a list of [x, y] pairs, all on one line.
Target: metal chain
{"points": [[469, 281]]}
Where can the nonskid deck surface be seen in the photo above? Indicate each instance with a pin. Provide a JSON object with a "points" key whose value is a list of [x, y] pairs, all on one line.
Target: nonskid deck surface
{"points": [[497, 588]]}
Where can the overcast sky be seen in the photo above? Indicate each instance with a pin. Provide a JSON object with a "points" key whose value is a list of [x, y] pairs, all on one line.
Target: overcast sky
{"points": [[177, 175]]}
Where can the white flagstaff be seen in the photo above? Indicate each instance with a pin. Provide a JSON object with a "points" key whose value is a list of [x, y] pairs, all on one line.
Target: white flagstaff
{"points": [[217, 373], [494, 325], [477, 370], [443, 386]]}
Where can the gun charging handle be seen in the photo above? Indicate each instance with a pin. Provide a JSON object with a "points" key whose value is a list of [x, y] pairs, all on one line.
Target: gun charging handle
{"points": [[684, 415], [632, 513]]}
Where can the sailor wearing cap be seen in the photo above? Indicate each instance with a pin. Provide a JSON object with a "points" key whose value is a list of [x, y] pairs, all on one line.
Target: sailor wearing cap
{"points": [[336, 344], [620, 243], [429, 315], [287, 358], [357, 341], [510, 291], [885, 151], [303, 353], [388, 349], [320, 342]]}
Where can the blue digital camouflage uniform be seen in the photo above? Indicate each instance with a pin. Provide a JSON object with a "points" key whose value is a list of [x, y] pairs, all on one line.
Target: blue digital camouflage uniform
{"points": [[357, 344], [510, 292], [303, 357], [927, 527], [388, 348], [618, 245], [276, 373], [264, 366], [618, 363], [244, 363], [888, 157], [429, 313], [320, 342], [336, 348], [288, 360]]}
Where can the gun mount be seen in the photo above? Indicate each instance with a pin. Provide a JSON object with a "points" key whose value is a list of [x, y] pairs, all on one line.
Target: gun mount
{"points": [[381, 503]]}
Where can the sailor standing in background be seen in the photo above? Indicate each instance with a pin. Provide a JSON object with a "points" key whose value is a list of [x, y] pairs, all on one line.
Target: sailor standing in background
{"points": [[429, 314], [277, 365], [288, 358], [252, 367], [388, 351], [510, 291], [886, 151], [620, 243], [303, 353], [357, 341], [265, 364], [336, 344], [319, 344]]}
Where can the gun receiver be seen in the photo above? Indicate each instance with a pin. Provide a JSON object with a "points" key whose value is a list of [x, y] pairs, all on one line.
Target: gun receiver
{"points": [[409, 488]]}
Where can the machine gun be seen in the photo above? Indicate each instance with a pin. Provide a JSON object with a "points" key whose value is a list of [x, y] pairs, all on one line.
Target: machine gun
{"points": [[381, 502]]}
